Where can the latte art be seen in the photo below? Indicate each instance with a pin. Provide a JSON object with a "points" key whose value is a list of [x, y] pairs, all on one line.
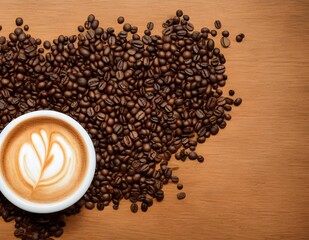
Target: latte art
{"points": [[46, 160]]}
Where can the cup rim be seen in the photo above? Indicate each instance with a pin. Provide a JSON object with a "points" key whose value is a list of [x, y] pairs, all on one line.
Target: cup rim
{"points": [[75, 196]]}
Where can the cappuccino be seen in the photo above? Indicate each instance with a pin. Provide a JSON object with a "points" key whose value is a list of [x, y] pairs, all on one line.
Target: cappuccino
{"points": [[44, 159]]}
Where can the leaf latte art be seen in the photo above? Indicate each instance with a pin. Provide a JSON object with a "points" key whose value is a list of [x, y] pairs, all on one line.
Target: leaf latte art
{"points": [[46, 160]]}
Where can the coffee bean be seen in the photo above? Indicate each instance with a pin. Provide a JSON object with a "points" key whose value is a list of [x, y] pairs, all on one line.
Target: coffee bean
{"points": [[93, 82], [100, 206], [19, 21], [225, 33], [89, 205], [217, 24], [47, 44], [181, 195], [134, 207], [140, 115], [239, 37], [84, 52], [80, 28], [144, 207], [150, 26], [225, 42], [213, 33], [179, 13], [237, 101], [120, 20], [210, 44], [175, 179], [200, 158], [231, 92], [58, 233], [127, 27], [192, 155], [179, 186]]}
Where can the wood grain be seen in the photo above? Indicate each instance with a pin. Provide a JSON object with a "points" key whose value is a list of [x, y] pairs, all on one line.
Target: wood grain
{"points": [[255, 182]]}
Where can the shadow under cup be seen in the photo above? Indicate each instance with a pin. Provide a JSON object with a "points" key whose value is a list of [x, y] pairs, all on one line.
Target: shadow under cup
{"points": [[47, 161]]}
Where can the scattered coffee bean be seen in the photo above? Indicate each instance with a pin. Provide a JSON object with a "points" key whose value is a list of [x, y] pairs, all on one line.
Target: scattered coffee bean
{"points": [[179, 13], [127, 27], [80, 28], [237, 101], [200, 158], [181, 195], [240, 37], [231, 92], [217, 24], [100, 206], [192, 155], [134, 207], [213, 33], [120, 20], [144, 207], [225, 33], [179, 186], [89, 205], [225, 42], [150, 26], [19, 21]]}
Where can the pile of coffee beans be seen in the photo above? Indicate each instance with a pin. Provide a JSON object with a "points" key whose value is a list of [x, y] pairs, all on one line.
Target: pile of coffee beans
{"points": [[141, 98]]}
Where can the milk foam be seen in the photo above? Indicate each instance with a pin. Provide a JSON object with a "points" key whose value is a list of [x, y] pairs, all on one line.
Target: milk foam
{"points": [[47, 160]]}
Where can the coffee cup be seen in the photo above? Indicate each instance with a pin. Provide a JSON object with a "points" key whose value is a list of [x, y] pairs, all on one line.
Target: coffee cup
{"points": [[47, 161]]}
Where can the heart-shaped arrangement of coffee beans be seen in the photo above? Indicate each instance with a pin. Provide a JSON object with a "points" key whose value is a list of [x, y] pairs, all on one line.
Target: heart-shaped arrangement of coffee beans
{"points": [[141, 98]]}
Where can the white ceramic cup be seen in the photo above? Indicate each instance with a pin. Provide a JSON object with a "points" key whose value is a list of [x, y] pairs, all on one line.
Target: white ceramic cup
{"points": [[76, 195]]}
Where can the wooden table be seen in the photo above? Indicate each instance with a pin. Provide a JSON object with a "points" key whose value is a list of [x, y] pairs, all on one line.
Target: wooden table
{"points": [[255, 181]]}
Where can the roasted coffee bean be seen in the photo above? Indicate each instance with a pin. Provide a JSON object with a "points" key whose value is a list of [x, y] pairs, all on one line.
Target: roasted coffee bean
{"points": [[80, 28], [179, 13], [237, 101], [217, 24], [100, 206], [240, 37], [19, 21], [134, 207], [200, 158], [127, 27], [225, 33], [175, 179], [231, 92], [179, 186], [120, 20], [150, 26], [181, 195], [192, 155], [47, 45], [144, 207], [225, 42], [58, 233], [89, 205], [213, 33]]}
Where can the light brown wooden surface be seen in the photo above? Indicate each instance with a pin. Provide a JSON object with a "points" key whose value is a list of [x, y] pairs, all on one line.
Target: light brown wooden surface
{"points": [[255, 181]]}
